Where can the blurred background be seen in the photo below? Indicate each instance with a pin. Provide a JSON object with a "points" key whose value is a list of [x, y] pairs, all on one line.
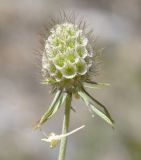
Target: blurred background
{"points": [[23, 99]]}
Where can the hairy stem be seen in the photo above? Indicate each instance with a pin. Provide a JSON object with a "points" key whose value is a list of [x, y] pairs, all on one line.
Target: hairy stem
{"points": [[65, 128]]}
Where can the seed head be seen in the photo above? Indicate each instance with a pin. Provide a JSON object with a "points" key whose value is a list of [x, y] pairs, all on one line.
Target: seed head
{"points": [[67, 56]]}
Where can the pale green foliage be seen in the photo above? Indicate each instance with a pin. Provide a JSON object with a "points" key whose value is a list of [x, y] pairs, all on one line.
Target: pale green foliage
{"points": [[96, 107], [56, 104], [67, 53]]}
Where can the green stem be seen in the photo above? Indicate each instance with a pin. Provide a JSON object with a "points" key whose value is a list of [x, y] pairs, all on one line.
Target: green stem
{"points": [[65, 127]]}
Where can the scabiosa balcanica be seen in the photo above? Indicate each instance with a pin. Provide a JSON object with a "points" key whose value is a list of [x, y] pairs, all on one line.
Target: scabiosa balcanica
{"points": [[68, 63], [67, 55]]}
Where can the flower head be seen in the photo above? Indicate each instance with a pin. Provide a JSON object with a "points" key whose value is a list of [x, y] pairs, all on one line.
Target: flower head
{"points": [[67, 57], [68, 64]]}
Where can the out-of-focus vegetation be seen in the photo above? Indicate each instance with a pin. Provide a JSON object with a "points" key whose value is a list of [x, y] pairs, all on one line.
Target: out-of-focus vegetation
{"points": [[23, 100]]}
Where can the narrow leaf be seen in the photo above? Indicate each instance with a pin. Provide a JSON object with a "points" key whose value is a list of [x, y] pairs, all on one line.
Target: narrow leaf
{"points": [[58, 105], [100, 105], [57, 101], [102, 112]]}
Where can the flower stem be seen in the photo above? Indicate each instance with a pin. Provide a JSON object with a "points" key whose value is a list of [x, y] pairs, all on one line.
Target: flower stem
{"points": [[65, 127]]}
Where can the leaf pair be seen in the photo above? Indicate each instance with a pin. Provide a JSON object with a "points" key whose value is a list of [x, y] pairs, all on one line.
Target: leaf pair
{"points": [[56, 104], [96, 106]]}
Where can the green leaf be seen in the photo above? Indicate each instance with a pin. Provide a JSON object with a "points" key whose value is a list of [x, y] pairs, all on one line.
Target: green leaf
{"points": [[84, 97], [57, 102], [102, 115], [58, 105], [98, 108]]}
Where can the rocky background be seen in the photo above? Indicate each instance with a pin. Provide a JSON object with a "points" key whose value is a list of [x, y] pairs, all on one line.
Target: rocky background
{"points": [[23, 99]]}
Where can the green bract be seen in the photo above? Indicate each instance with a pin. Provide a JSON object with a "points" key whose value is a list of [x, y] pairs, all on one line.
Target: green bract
{"points": [[67, 55]]}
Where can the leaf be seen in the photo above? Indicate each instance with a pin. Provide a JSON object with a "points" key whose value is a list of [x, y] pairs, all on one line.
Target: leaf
{"points": [[57, 102], [102, 115], [60, 102], [95, 85], [84, 97], [101, 112]]}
